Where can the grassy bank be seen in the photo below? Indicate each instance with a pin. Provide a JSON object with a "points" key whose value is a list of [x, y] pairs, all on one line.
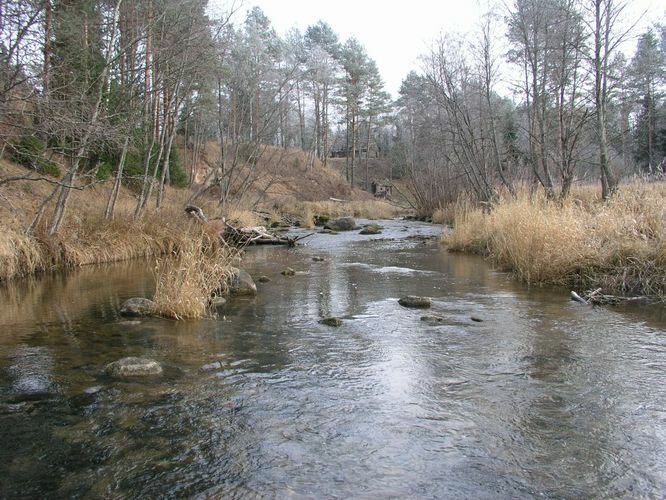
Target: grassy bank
{"points": [[87, 238], [619, 246]]}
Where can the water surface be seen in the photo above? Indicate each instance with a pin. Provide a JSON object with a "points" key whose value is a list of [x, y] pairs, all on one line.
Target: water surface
{"points": [[543, 397]]}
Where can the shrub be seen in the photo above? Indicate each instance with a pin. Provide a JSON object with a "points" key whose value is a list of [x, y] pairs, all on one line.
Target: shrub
{"points": [[30, 152]]}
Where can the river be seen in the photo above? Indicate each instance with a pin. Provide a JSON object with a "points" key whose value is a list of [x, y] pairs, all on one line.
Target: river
{"points": [[542, 397]]}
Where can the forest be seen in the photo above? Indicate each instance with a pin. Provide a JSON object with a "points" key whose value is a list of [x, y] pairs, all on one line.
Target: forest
{"points": [[544, 96], [107, 87]]}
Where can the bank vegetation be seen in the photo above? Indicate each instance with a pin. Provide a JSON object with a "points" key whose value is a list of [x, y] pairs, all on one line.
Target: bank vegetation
{"points": [[582, 242]]}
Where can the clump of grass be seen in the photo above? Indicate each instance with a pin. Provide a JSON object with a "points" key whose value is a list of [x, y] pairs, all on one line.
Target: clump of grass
{"points": [[374, 209], [241, 217], [445, 215], [303, 211], [469, 233], [619, 245], [20, 254], [368, 209], [186, 281]]}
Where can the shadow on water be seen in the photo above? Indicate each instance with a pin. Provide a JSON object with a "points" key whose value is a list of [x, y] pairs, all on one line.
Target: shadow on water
{"points": [[536, 396]]}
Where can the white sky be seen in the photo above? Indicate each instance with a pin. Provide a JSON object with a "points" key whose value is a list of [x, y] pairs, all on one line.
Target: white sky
{"points": [[395, 33]]}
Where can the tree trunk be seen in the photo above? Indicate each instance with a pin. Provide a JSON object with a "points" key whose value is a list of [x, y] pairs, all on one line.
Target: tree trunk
{"points": [[113, 197], [367, 155]]}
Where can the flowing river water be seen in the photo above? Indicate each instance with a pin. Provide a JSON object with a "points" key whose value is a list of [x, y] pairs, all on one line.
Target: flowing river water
{"points": [[542, 397]]}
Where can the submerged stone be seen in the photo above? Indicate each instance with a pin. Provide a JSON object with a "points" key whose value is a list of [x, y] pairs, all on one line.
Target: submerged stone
{"points": [[263, 279], [318, 259], [433, 318], [137, 306], [133, 367], [288, 272], [217, 302], [415, 301], [331, 321]]}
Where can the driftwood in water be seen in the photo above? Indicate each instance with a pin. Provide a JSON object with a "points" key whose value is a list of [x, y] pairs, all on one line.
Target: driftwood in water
{"points": [[597, 298], [257, 235], [241, 236]]}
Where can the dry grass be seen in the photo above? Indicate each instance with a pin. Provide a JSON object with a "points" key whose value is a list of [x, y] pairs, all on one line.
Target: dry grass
{"points": [[186, 280], [367, 209], [20, 254], [619, 245]]}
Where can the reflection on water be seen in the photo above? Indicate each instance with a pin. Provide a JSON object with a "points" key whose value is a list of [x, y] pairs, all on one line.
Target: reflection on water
{"points": [[542, 397]]}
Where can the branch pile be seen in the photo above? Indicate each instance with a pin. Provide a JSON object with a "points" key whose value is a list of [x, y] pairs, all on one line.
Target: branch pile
{"points": [[242, 236], [256, 235]]}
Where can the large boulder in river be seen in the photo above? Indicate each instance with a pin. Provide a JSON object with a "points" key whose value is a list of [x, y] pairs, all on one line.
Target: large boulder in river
{"points": [[138, 306], [241, 283], [133, 367], [341, 224], [415, 301]]}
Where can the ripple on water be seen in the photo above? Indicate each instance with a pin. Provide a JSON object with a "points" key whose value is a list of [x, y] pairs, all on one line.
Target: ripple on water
{"points": [[540, 399]]}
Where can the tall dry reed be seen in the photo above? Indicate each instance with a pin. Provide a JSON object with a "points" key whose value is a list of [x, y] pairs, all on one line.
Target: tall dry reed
{"points": [[368, 209], [186, 280], [619, 245]]}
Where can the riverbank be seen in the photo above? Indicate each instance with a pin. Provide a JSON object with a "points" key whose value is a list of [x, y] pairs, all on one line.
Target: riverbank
{"points": [[619, 246], [86, 237]]}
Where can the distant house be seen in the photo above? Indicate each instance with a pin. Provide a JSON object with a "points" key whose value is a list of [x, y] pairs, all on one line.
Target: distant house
{"points": [[381, 189]]}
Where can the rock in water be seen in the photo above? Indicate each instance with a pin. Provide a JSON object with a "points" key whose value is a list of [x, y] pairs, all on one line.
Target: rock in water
{"points": [[137, 306], [263, 279], [433, 318], [341, 224], [241, 283], [331, 321], [371, 229], [216, 302], [133, 367], [288, 272], [415, 301]]}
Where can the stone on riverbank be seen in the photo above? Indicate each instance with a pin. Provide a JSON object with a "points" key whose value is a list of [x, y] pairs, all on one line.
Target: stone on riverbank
{"points": [[133, 367], [415, 301], [138, 306]]}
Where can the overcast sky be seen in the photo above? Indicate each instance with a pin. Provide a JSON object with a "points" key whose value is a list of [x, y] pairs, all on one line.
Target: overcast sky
{"points": [[394, 33]]}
